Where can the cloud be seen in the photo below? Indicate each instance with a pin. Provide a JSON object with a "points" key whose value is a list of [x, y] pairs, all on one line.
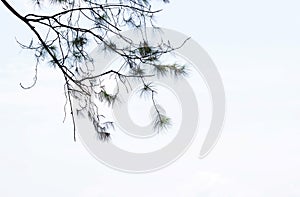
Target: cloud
{"points": [[213, 184]]}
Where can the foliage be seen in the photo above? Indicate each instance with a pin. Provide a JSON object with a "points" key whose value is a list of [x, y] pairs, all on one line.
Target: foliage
{"points": [[62, 38]]}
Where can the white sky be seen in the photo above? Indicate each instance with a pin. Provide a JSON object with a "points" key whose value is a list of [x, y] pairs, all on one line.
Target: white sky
{"points": [[255, 44]]}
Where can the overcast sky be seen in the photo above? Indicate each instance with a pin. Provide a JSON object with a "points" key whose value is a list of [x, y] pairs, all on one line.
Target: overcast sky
{"points": [[255, 45]]}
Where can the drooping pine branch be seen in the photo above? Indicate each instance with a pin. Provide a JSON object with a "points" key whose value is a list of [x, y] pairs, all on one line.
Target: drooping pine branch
{"points": [[63, 38]]}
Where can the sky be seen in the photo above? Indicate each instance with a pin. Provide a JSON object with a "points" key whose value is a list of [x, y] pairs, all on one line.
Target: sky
{"points": [[254, 44]]}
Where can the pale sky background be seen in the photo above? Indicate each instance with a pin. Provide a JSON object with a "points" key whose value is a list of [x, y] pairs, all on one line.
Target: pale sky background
{"points": [[255, 45]]}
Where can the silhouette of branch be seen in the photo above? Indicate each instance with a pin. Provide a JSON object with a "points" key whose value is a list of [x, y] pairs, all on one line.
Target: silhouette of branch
{"points": [[65, 43]]}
